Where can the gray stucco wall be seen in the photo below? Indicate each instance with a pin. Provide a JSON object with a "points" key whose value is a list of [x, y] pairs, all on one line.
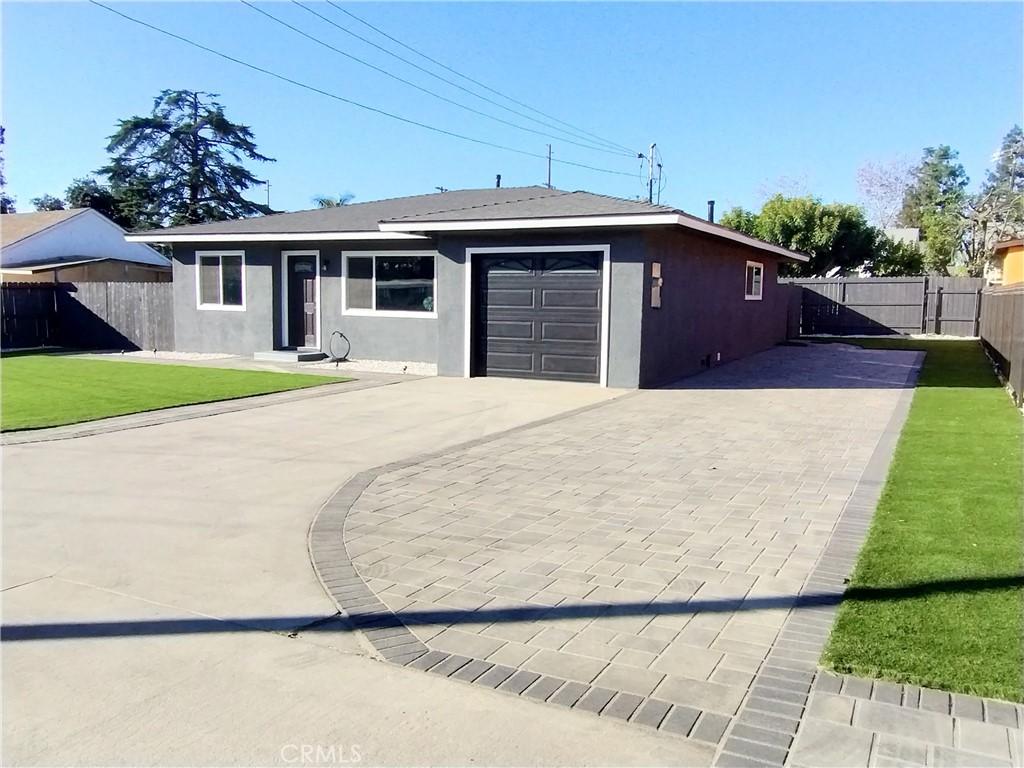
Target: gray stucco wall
{"points": [[258, 328], [703, 309], [212, 330], [439, 340]]}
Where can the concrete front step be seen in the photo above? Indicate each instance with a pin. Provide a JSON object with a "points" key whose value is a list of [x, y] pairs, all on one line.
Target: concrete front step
{"points": [[289, 355]]}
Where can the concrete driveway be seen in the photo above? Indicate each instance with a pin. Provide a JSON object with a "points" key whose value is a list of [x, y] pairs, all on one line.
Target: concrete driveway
{"points": [[185, 625]]}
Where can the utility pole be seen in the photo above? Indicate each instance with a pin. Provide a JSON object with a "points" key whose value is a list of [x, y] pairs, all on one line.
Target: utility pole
{"points": [[650, 173], [267, 182], [659, 183], [549, 166]]}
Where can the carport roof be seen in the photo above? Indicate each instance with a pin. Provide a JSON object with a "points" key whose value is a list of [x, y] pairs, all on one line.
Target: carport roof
{"points": [[479, 210]]}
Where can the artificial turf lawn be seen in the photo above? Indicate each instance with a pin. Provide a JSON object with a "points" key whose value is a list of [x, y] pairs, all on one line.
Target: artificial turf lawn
{"points": [[948, 525], [40, 390]]}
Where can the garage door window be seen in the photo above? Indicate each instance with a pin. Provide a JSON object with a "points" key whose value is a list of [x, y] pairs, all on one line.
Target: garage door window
{"points": [[220, 280], [755, 273], [399, 285]]}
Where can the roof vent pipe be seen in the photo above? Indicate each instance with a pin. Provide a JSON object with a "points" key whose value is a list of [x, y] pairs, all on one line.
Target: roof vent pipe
{"points": [[497, 181], [711, 211]]}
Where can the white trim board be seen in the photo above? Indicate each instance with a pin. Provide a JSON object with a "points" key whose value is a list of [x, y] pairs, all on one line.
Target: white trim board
{"points": [[606, 281], [284, 295], [274, 237]]}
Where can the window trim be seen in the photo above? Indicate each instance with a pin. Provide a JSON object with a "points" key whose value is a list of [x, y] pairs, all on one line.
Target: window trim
{"points": [[221, 307], [760, 285], [373, 311]]}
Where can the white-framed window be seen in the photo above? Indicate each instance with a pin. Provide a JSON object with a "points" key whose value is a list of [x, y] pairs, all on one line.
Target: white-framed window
{"points": [[754, 281], [389, 283], [220, 280]]}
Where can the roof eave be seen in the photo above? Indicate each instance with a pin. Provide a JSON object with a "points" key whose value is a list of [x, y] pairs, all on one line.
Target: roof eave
{"points": [[588, 222], [265, 237]]}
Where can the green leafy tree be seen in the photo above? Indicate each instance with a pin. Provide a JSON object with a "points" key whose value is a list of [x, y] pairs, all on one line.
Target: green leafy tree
{"points": [[183, 164], [47, 203], [836, 236], [934, 203], [895, 259], [741, 220]]}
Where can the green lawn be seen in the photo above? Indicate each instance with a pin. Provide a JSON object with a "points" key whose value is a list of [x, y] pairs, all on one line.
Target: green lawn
{"points": [[40, 390], [938, 591]]}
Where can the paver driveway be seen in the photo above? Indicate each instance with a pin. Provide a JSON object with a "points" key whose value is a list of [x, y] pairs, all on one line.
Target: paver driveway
{"points": [[640, 554]]}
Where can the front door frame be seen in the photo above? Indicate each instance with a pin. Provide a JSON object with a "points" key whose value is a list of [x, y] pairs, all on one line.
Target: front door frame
{"points": [[605, 249], [284, 294]]}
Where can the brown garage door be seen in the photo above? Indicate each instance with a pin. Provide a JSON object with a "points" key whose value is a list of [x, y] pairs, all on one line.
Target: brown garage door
{"points": [[538, 315]]}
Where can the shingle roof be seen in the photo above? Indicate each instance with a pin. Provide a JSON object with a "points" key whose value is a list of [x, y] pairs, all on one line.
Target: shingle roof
{"points": [[402, 215], [539, 202], [363, 217], [17, 226]]}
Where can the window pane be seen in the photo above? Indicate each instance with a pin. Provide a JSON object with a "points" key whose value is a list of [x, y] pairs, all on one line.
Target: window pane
{"points": [[514, 265], [405, 283], [359, 283], [231, 271], [209, 279], [572, 263], [753, 283]]}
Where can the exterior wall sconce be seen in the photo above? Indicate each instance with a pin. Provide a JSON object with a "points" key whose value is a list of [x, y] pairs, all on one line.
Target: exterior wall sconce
{"points": [[656, 283]]}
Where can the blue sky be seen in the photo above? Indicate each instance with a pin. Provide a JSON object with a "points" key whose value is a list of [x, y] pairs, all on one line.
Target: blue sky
{"points": [[741, 98]]}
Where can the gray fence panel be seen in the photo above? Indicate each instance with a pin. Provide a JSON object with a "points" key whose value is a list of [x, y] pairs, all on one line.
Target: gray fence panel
{"points": [[845, 306], [126, 316], [28, 315], [959, 309], [1002, 332]]}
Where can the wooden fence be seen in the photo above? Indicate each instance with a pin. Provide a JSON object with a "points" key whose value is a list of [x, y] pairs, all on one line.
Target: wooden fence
{"points": [[1002, 332], [847, 306], [28, 315], [88, 315]]}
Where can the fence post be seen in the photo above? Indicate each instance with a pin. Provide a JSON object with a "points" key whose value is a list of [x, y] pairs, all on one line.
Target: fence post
{"points": [[938, 310], [924, 305], [977, 312]]}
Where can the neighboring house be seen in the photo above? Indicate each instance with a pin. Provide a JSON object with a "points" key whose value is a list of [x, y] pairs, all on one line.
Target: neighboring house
{"points": [[76, 245], [527, 281], [907, 235], [1007, 266]]}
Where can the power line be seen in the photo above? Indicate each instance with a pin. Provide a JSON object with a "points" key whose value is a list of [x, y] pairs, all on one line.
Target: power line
{"points": [[411, 84], [475, 82], [611, 147], [344, 100]]}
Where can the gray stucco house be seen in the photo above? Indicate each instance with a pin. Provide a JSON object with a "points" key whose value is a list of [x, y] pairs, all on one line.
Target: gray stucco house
{"points": [[525, 281]]}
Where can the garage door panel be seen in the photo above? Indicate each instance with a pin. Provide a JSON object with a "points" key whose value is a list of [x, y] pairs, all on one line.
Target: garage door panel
{"points": [[561, 298], [539, 316], [559, 331], [522, 298], [569, 364], [509, 329], [510, 362]]}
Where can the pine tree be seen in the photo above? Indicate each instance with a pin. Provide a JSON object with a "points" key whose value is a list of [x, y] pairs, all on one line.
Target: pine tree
{"points": [[183, 164]]}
